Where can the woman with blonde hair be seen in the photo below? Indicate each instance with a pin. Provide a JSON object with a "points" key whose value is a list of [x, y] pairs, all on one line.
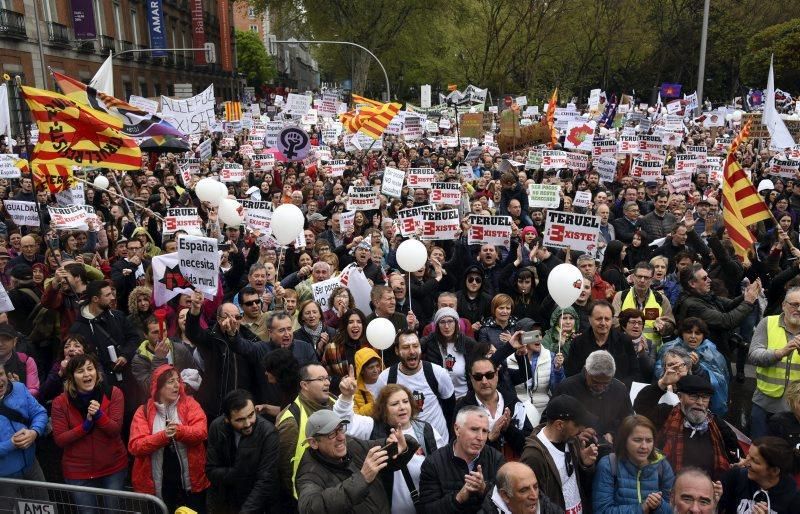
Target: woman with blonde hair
{"points": [[500, 326]]}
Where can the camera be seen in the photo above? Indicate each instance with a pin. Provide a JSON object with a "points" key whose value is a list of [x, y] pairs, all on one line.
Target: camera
{"points": [[531, 337]]}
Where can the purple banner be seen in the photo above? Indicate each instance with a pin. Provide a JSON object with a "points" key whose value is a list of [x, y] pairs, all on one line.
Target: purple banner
{"points": [[83, 19]]}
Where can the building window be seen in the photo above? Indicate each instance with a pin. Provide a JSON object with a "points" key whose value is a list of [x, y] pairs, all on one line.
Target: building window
{"points": [[251, 13], [118, 22], [128, 88], [134, 26], [143, 89], [253, 28], [170, 89], [156, 90], [98, 17], [50, 12]]}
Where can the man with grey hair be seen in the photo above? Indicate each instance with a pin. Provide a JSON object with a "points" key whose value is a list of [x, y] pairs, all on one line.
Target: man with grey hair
{"points": [[320, 272], [517, 492], [627, 224], [694, 493], [601, 290], [600, 393], [456, 478]]}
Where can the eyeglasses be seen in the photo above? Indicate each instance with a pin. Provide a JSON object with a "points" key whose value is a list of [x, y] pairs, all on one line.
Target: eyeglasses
{"points": [[635, 322], [251, 303], [699, 397], [489, 375], [341, 429], [237, 317], [640, 277], [474, 280], [326, 378], [793, 305]]}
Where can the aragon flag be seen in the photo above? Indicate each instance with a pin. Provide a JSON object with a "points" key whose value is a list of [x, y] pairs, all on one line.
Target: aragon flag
{"points": [[71, 134], [57, 178]]}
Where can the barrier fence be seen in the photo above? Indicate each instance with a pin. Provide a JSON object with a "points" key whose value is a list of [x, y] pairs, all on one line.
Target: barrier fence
{"points": [[27, 497]]}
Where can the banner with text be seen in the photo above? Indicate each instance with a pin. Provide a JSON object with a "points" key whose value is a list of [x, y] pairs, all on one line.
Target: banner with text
{"points": [[199, 258], [569, 230], [493, 230]]}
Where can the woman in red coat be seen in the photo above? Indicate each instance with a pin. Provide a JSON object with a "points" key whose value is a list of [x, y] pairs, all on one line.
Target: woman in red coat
{"points": [[87, 418], [167, 436]]}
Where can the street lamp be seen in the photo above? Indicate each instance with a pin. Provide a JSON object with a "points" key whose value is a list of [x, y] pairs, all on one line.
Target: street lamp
{"points": [[385, 75]]}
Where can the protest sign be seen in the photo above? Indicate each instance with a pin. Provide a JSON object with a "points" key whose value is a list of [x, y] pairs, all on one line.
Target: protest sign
{"points": [[232, 172], [412, 128], [569, 230], [72, 196], [679, 182], [553, 159], [347, 221], [69, 217], [8, 167], [534, 160], [327, 106], [646, 170], [336, 167], [145, 104], [582, 199], [701, 152], [649, 143], [421, 177], [446, 193], [544, 195], [204, 150], [411, 218], [471, 124], [493, 230], [263, 162], [580, 135], [198, 258], [628, 144], [473, 153], [294, 143], [189, 115], [783, 168], [322, 291], [577, 161], [362, 198], [182, 218], [23, 213], [467, 172], [606, 167], [297, 104], [257, 215], [604, 147], [686, 162], [393, 182], [271, 133], [440, 225]]}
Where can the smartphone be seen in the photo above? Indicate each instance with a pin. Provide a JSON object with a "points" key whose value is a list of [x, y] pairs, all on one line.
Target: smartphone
{"points": [[224, 246], [531, 337], [53, 243], [391, 449]]}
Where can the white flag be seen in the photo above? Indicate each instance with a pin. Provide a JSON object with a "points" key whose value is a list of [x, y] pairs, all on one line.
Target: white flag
{"points": [[779, 134], [5, 116], [103, 80]]}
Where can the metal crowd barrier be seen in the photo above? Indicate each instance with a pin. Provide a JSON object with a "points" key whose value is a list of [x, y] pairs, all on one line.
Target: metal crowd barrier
{"points": [[27, 497]]}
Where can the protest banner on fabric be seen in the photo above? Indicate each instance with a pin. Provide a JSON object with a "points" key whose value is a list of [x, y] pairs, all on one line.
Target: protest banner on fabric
{"points": [[392, 184], [582, 199], [440, 225], [322, 291], [189, 115], [679, 182], [606, 167], [604, 147], [198, 259], [421, 178], [362, 198], [411, 218], [69, 217], [544, 195], [8, 167], [232, 172], [493, 230], [446, 193], [628, 144], [686, 162], [168, 281], [182, 218], [646, 170], [347, 221], [554, 159], [569, 230], [23, 213]]}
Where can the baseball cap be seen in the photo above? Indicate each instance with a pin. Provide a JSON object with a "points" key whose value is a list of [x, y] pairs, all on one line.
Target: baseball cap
{"points": [[7, 330], [316, 217], [568, 408], [322, 422]]}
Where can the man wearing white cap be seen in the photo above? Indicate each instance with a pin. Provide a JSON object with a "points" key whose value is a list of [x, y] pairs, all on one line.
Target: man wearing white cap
{"points": [[340, 473]]}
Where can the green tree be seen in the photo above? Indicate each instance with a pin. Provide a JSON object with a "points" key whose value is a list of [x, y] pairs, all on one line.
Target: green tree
{"points": [[782, 41], [254, 61]]}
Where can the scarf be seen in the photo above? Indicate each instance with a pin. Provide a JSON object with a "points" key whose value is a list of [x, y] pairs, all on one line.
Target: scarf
{"points": [[81, 400], [164, 413], [315, 333], [334, 357], [672, 436]]}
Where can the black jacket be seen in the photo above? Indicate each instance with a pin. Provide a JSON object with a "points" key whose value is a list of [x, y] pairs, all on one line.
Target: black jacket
{"points": [[244, 477], [618, 345], [442, 476], [110, 327], [609, 408], [124, 284], [737, 488], [722, 315], [545, 506], [513, 436]]}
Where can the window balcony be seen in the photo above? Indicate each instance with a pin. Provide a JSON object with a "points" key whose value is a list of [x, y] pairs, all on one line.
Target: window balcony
{"points": [[106, 44], [12, 25], [58, 34], [142, 56], [85, 47], [124, 46]]}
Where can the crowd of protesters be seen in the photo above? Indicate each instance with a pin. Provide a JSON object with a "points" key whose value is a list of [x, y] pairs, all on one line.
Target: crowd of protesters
{"points": [[491, 399]]}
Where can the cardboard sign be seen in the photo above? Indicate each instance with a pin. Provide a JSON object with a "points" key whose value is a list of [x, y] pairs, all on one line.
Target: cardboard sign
{"points": [[440, 225], [362, 198], [577, 161], [8, 168], [263, 162], [628, 145], [604, 147], [649, 143], [347, 221], [182, 218], [569, 230], [606, 167], [493, 230], [232, 172], [679, 182], [199, 258], [421, 178], [446, 193], [554, 159], [411, 218], [392, 184], [544, 195], [23, 213], [686, 162]]}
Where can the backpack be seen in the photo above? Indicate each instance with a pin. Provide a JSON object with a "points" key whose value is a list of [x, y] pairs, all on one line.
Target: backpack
{"points": [[45, 322], [430, 377]]}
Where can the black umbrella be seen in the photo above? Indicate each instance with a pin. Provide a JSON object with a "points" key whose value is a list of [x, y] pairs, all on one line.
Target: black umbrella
{"points": [[164, 144]]}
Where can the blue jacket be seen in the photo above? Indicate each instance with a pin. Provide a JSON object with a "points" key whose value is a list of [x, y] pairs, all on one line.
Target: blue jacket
{"points": [[625, 492], [14, 461]]}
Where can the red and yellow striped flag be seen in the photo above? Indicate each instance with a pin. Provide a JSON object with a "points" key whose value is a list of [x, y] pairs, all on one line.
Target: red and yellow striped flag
{"points": [[551, 118], [71, 134], [743, 205], [233, 111], [363, 101], [57, 178], [374, 123]]}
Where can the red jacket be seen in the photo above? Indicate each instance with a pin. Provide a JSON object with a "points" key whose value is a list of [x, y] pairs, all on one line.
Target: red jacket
{"points": [[601, 290], [97, 453], [192, 432]]}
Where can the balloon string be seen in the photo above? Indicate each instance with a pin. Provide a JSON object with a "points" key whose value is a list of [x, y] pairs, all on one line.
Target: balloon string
{"points": [[409, 291], [560, 329]]}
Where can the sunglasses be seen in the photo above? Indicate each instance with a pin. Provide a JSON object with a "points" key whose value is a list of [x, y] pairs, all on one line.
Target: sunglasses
{"points": [[251, 303], [474, 280], [477, 377]]}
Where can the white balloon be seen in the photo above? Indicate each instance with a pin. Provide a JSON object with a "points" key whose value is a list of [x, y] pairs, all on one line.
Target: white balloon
{"points": [[287, 223], [651, 110], [411, 255], [564, 284], [101, 182], [737, 115], [231, 212], [380, 333], [729, 117], [207, 190]]}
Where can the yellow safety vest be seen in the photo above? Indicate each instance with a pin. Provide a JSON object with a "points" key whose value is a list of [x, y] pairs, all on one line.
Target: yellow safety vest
{"points": [[772, 380], [649, 332]]}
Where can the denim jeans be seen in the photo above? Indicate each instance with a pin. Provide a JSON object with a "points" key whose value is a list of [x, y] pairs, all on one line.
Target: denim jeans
{"points": [[758, 422], [87, 502]]}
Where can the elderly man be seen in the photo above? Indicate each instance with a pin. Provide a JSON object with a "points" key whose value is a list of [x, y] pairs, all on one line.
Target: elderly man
{"points": [[658, 319], [281, 335], [690, 435], [694, 493], [601, 290], [320, 272], [458, 477], [28, 253], [775, 351], [385, 306], [627, 224], [516, 491], [340, 474]]}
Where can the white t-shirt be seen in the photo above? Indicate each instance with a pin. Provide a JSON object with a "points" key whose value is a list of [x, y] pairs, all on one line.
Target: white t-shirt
{"points": [[427, 399], [401, 497], [456, 366], [569, 485]]}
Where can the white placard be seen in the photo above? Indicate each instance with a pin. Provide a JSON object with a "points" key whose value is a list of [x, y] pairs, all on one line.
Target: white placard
{"points": [[440, 225], [421, 178], [410, 219], [336, 167], [232, 172], [554, 159], [347, 220], [297, 104], [145, 104], [191, 114], [544, 195], [199, 262], [69, 217], [646, 170], [322, 291], [445, 193], [362, 198], [8, 166], [7, 306], [606, 167], [582, 199], [571, 230], [182, 218], [392, 184], [494, 230], [23, 213], [204, 150]]}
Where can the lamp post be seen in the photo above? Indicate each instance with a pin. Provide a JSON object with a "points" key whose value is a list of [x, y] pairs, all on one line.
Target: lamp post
{"points": [[701, 68], [385, 75]]}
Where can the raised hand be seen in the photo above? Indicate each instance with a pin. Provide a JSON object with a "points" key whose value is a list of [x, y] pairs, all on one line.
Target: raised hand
{"points": [[376, 460], [348, 385]]}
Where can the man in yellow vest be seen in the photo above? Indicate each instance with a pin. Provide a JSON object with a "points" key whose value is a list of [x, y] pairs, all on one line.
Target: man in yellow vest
{"points": [[774, 350], [659, 322], [314, 395]]}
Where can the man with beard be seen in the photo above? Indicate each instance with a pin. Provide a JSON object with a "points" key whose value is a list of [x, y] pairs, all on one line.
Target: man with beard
{"points": [[690, 434], [429, 384], [361, 255], [242, 458]]}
